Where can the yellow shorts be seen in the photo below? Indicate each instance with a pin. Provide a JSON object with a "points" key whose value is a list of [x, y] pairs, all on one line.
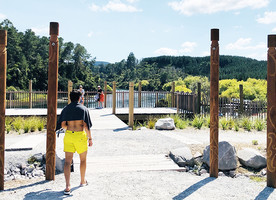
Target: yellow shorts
{"points": [[75, 141]]}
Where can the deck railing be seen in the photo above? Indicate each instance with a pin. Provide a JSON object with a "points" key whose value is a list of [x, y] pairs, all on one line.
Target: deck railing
{"points": [[185, 103]]}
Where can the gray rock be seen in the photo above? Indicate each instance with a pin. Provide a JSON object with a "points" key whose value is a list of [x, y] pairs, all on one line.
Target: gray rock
{"points": [[227, 159], [5, 171], [221, 174], [182, 156], [251, 158], [203, 171], [38, 157], [165, 124], [263, 172], [37, 173], [30, 168]]}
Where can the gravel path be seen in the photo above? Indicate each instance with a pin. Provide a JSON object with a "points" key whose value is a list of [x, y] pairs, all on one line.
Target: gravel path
{"points": [[142, 184]]}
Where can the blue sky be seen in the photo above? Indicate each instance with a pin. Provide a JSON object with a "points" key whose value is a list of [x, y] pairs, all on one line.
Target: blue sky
{"points": [[111, 29]]}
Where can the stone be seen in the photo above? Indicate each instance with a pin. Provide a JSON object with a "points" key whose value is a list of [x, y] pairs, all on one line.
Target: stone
{"points": [[221, 174], [263, 172], [197, 154], [38, 157], [182, 156], [37, 173], [251, 158], [165, 124], [227, 159], [5, 171], [203, 171]]}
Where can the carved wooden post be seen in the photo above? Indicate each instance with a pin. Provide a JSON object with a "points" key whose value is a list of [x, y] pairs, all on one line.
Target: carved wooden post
{"points": [[114, 98], [52, 101], [198, 98], [69, 89], [241, 98], [105, 93], [3, 74], [177, 103], [139, 94], [131, 105], [271, 112], [30, 93], [214, 102], [173, 91]]}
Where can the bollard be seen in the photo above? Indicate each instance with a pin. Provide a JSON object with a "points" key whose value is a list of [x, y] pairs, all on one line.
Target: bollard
{"points": [[241, 99], [214, 102], [3, 76], [131, 105], [105, 93], [198, 98], [114, 98], [139, 94], [52, 101], [30, 93], [271, 112], [69, 89], [173, 91]]}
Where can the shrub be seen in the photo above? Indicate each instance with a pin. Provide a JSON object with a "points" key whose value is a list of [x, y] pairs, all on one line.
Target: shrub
{"points": [[17, 123], [151, 123], [198, 122], [182, 125], [224, 123], [27, 125], [231, 124], [255, 142], [41, 124], [246, 123], [207, 121], [259, 124]]}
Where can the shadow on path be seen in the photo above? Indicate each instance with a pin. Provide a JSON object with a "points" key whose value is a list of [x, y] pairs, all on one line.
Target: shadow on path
{"points": [[265, 193], [193, 188], [26, 186], [48, 194]]}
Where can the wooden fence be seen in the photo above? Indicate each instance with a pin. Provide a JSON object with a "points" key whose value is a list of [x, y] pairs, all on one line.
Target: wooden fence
{"points": [[186, 103]]}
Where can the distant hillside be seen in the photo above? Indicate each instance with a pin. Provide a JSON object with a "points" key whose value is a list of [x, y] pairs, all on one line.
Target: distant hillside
{"points": [[98, 63], [237, 67]]}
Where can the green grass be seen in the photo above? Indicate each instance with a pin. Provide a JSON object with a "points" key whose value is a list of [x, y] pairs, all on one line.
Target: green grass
{"points": [[255, 142], [198, 122], [259, 124], [224, 123], [17, 123]]}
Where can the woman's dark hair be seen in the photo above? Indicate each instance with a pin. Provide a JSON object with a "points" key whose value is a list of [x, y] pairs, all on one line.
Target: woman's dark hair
{"points": [[75, 95]]}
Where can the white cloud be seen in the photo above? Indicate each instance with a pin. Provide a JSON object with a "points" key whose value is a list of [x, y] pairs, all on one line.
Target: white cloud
{"points": [[2, 16], [244, 47], [41, 30], [132, 1], [244, 44], [186, 47], [116, 6], [166, 51], [190, 7], [268, 18], [90, 34], [274, 30]]}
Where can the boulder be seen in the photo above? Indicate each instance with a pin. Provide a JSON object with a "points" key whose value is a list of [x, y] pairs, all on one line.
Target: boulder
{"points": [[227, 158], [165, 124], [251, 158], [182, 156]]}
